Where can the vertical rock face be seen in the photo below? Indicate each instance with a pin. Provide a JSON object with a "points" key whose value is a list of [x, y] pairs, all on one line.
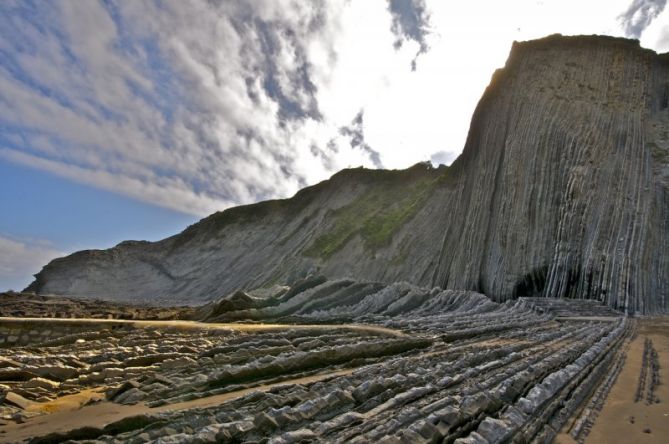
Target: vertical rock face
{"points": [[564, 187], [561, 191]]}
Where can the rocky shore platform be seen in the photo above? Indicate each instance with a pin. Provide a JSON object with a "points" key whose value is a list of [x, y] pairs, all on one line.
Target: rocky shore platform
{"points": [[336, 361], [30, 305]]}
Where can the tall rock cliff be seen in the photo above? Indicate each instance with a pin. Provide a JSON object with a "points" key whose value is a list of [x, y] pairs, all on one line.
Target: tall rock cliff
{"points": [[565, 184], [561, 190]]}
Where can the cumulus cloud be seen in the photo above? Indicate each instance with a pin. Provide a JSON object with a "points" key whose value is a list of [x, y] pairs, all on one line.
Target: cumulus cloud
{"points": [[201, 105], [355, 133], [195, 106], [21, 257], [662, 39], [410, 22], [443, 157], [639, 15]]}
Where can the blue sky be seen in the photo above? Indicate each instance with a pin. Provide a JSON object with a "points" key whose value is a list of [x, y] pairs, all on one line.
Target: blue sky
{"points": [[74, 216], [132, 119], [46, 216]]}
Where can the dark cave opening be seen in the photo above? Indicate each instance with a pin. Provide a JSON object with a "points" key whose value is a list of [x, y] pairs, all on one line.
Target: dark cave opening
{"points": [[531, 284]]}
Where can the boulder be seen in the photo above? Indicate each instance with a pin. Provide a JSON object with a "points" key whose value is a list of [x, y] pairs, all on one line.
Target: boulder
{"points": [[41, 383], [494, 430], [57, 372], [17, 400], [132, 396], [113, 392]]}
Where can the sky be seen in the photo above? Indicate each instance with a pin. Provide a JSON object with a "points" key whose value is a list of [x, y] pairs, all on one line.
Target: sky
{"points": [[133, 119]]}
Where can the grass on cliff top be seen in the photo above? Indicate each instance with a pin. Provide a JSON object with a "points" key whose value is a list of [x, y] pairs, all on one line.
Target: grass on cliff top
{"points": [[376, 215], [392, 198]]}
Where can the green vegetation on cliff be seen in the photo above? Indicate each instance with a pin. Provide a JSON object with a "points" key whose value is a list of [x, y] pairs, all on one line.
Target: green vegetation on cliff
{"points": [[376, 215]]}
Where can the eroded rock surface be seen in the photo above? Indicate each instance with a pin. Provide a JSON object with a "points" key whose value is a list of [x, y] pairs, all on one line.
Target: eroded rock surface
{"points": [[27, 305], [353, 361]]}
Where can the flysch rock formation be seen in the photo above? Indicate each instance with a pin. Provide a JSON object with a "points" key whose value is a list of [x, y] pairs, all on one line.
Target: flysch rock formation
{"points": [[413, 365], [561, 191], [23, 305]]}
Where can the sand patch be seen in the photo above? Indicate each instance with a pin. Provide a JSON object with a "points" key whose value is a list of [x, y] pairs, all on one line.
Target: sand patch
{"points": [[69, 402], [622, 420]]}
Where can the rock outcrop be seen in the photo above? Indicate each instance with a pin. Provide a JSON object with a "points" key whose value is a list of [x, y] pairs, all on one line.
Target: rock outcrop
{"points": [[561, 191], [565, 185], [25, 305], [415, 365]]}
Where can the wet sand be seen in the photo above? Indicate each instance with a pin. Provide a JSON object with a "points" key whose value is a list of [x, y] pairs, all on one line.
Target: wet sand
{"points": [[69, 402], [614, 423], [194, 325]]}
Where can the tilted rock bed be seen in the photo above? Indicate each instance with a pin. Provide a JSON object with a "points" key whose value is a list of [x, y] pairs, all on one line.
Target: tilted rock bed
{"points": [[521, 386], [463, 369], [569, 307], [174, 365], [29, 305]]}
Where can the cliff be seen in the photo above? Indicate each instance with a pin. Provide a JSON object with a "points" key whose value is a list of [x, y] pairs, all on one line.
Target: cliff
{"points": [[565, 190], [372, 216], [561, 191]]}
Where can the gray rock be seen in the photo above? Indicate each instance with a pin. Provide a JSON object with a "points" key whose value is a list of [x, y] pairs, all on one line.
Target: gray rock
{"points": [[113, 392], [132, 396], [17, 400], [473, 438], [41, 383], [294, 437], [57, 372], [494, 430], [264, 423]]}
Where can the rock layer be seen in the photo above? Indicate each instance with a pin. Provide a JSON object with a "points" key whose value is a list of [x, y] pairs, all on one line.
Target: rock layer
{"points": [[561, 191], [565, 191], [417, 365]]}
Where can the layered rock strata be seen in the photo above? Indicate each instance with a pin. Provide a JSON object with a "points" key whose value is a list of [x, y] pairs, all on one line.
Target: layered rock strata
{"points": [[24, 305], [561, 191], [430, 365], [564, 191]]}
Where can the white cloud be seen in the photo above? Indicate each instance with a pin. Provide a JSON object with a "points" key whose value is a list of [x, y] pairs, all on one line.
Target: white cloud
{"points": [[656, 34], [20, 258], [221, 109], [200, 105], [171, 193], [640, 15]]}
